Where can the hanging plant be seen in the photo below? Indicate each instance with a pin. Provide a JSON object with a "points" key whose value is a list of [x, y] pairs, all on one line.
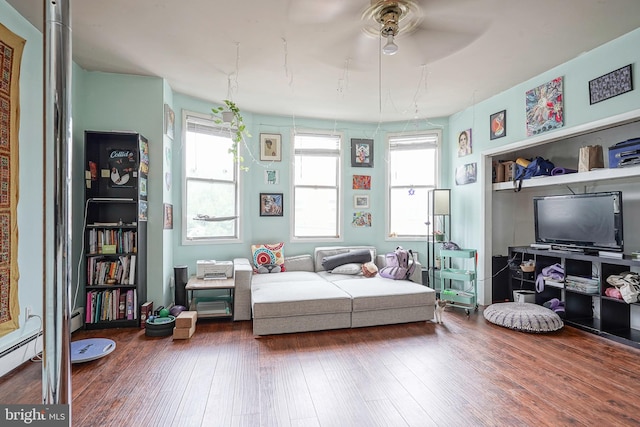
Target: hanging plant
{"points": [[230, 114]]}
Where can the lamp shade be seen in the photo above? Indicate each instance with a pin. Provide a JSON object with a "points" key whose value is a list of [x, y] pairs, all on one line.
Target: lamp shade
{"points": [[442, 202]]}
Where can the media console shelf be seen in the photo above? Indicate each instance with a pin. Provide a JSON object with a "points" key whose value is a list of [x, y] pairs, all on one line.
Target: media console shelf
{"points": [[594, 312]]}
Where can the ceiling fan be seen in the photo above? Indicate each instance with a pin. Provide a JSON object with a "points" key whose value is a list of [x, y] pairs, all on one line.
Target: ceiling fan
{"points": [[389, 14], [428, 29]]}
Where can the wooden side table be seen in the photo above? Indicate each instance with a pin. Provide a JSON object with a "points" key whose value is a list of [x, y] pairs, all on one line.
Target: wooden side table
{"points": [[211, 306]]}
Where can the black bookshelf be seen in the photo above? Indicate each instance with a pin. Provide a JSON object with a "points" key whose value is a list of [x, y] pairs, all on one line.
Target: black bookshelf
{"points": [[115, 228]]}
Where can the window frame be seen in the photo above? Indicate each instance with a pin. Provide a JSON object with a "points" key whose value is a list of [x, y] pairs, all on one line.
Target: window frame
{"points": [[339, 183], [429, 133], [208, 120]]}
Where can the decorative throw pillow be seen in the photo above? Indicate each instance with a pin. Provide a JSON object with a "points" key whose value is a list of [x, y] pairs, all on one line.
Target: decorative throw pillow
{"points": [[268, 254], [358, 256], [350, 268], [369, 269]]}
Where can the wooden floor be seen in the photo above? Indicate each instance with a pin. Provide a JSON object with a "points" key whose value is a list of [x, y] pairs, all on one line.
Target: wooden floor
{"points": [[466, 372]]}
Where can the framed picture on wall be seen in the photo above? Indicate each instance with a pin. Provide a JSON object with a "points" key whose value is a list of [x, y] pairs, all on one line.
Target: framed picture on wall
{"points": [[360, 201], [498, 125], [362, 153], [271, 204], [464, 143], [169, 121], [611, 84], [167, 218], [270, 147]]}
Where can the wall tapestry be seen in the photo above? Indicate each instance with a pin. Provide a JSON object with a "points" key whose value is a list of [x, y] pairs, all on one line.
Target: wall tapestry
{"points": [[11, 47], [545, 107]]}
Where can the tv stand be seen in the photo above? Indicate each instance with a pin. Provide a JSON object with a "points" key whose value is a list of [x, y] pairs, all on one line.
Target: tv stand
{"points": [[594, 312]]}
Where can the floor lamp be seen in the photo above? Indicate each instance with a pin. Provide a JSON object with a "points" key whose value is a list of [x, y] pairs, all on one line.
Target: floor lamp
{"points": [[440, 211]]}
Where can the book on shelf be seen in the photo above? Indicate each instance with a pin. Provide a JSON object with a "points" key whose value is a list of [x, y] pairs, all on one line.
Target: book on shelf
{"points": [[130, 305], [145, 311], [132, 270], [122, 306]]}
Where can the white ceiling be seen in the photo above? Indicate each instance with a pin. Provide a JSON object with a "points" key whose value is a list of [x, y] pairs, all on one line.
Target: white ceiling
{"points": [[310, 58]]}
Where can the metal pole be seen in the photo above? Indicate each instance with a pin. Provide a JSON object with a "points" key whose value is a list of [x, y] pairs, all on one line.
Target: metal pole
{"points": [[56, 366]]}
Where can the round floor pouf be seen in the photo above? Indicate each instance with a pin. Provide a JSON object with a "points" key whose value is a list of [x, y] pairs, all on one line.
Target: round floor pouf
{"points": [[522, 316]]}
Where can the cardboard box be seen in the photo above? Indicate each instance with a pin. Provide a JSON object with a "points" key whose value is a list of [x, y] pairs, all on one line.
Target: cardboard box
{"points": [[509, 168], [184, 333], [186, 319], [498, 171]]}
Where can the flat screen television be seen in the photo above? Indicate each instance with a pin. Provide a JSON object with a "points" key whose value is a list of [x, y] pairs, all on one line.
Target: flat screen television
{"points": [[589, 221]]}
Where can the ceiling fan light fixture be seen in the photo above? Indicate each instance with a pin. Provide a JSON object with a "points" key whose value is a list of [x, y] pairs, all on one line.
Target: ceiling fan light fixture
{"points": [[390, 48], [389, 18]]}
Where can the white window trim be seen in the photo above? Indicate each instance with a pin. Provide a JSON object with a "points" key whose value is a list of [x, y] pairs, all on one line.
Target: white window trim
{"points": [[207, 241], [340, 237], [438, 133]]}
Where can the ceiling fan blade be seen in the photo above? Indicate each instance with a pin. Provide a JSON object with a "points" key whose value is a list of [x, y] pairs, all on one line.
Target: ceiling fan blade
{"points": [[322, 11], [438, 37]]}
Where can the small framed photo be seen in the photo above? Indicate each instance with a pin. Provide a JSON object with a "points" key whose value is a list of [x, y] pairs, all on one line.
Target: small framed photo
{"points": [[271, 177], [270, 147], [169, 121], [498, 125], [271, 204], [167, 218], [611, 84], [362, 153], [360, 201], [464, 143]]}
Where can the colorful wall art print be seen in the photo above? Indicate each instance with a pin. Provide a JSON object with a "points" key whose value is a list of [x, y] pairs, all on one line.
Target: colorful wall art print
{"points": [[361, 219], [545, 107], [361, 182], [464, 143], [498, 125], [271, 204], [466, 174]]}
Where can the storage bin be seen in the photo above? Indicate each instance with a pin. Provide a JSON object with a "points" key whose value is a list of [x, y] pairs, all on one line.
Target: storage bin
{"points": [[625, 153]]}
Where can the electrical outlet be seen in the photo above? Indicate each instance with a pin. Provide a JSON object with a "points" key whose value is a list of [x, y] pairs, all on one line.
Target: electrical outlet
{"points": [[27, 313]]}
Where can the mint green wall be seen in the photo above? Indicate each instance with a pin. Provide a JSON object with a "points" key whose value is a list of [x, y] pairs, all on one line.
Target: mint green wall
{"points": [[256, 229], [30, 215], [467, 201], [132, 103]]}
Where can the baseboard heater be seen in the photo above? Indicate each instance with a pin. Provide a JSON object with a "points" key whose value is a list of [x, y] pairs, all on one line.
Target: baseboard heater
{"points": [[31, 346], [20, 352], [77, 319]]}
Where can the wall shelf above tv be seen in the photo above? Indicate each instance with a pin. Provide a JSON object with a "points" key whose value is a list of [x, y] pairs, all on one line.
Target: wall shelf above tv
{"points": [[597, 175]]}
